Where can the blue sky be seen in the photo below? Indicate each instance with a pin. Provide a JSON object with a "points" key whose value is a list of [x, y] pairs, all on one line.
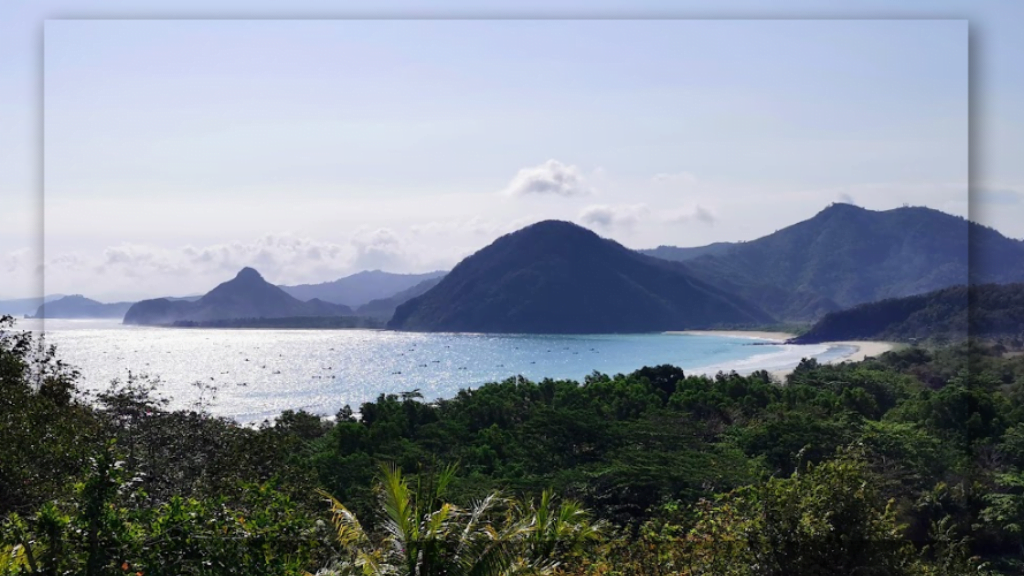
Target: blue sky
{"points": [[178, 150]]}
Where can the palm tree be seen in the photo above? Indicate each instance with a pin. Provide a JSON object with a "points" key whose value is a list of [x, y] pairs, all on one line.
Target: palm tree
{"points": [[422, 535]]}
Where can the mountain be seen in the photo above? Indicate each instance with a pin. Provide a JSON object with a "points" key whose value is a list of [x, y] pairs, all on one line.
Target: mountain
{"points": [[248, 295], [847, 255], [22, 306], [983, 310], [78, 306], [360, 288], [683, 254], [385, 307], [557, 277]]}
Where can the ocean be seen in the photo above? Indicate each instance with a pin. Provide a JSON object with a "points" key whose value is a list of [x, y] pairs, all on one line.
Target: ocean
{"points": [[254, 374]]}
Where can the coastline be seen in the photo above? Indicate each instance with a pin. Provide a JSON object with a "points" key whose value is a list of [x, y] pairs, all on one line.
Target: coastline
{"points": [[860, 349], [759, 335]]}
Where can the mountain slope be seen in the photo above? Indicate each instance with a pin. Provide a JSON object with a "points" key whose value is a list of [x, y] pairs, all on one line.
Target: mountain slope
{"points": [[846, 255], [951, 313], [360, 288], [78, 306], [248, 295], [683, 254], [385, 307], [557, 277]]}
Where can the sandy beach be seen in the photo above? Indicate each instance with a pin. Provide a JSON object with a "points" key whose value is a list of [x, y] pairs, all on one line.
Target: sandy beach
{"points": [[860, 349]]}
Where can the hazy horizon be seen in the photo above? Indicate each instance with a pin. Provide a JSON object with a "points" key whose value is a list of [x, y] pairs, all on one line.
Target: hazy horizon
{"points": [[178, 152]]}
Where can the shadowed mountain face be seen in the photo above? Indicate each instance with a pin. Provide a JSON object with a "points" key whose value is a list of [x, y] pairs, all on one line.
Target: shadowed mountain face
{"points": [[557, 277], [360, 288], [248, 295], [78, 306], [846, 255], [984, 310]]}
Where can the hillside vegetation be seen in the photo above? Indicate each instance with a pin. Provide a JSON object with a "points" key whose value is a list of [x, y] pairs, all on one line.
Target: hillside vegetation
{"points": [[847, 255], [557, 277], [907, 464], [950, 314]]}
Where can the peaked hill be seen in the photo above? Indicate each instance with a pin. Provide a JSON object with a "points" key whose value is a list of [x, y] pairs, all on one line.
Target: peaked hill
{"points": [[248, 295], [360, 288], [557, 277], [847, 255]]}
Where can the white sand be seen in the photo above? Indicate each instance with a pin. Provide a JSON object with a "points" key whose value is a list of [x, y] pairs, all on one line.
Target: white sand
{"points": [[860, 349]]}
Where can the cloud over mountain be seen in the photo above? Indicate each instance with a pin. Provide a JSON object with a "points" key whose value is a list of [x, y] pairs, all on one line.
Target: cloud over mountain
{"points": [[614, 216], [551, 178]]}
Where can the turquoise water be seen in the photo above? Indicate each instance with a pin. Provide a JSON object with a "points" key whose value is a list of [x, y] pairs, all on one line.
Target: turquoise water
{"points": [[259, 373]]}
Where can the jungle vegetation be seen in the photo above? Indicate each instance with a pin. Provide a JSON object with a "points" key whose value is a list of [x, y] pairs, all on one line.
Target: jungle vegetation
{"points": [[907, 464]]}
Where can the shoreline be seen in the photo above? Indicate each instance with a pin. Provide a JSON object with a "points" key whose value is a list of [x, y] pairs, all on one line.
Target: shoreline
{"points": [[860, 349]]}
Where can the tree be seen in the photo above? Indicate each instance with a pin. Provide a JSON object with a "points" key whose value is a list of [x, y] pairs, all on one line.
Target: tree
{"points": [[421, 534]]}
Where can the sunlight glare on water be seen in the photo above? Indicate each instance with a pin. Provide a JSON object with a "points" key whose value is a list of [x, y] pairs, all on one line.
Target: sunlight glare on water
{"points": [[259, 373]]}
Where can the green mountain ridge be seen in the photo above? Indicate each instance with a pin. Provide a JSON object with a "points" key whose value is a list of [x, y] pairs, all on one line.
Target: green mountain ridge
{"points": [[557, 277], [847, 255]]}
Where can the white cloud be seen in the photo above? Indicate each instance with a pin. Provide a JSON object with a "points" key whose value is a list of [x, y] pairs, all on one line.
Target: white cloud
{"points": [[379, 249], [550, 178], [614, 216], [846, 198], [696, 213]]}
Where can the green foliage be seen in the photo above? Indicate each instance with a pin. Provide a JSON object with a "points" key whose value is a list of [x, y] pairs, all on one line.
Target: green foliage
{"points": [[90, 485], [946, 315], [423, 534]]}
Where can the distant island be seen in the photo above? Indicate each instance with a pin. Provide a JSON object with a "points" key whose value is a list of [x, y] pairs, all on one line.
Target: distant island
{"points": [[78, 306], [248, 295]]}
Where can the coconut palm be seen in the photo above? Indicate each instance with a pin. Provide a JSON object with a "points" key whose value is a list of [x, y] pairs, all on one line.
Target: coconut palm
{"points": [[422, 535]]}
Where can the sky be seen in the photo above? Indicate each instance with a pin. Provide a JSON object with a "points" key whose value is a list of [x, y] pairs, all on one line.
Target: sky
{"points": [[178, 151]]}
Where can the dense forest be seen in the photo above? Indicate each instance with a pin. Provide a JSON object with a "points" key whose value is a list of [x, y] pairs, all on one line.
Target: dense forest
{"points": [[910, 463], [990, 311]]}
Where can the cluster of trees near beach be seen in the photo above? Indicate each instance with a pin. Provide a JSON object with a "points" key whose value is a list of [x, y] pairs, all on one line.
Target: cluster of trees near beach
{"points": [[910, 463]]}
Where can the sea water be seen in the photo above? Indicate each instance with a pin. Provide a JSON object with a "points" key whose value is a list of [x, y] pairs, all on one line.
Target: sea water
{"points": [[254, 374]]}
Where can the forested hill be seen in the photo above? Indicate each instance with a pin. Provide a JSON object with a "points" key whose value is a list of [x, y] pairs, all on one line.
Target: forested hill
{"points": [[847, 255], [988, 310], [557, 277]]}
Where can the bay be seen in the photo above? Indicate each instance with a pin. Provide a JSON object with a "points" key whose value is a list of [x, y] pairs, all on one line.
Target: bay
{"points": [[255, 374]]}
